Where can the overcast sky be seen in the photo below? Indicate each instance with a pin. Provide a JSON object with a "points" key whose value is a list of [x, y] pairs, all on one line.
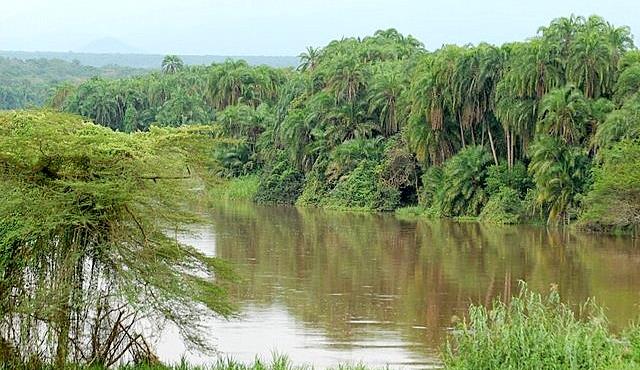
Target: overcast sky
{"points": [[281, 27]]}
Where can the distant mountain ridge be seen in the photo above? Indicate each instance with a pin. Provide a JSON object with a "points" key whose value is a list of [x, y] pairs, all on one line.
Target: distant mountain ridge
{"points": [[149, 61], [109, 45]]}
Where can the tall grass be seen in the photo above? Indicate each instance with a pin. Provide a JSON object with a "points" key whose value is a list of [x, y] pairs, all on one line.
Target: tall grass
{"points": [[278, 362], [534, 332], [239, 188]]}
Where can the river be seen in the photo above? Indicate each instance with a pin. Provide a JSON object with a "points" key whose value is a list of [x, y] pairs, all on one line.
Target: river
{"points": [[328, 287]]}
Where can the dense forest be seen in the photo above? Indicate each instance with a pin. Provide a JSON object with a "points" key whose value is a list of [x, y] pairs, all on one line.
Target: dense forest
{"points": [[29, 82], [546, 129]]}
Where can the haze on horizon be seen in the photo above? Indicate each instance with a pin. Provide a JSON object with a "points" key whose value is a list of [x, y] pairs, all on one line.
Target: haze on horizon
{"points": [[279, 27]]}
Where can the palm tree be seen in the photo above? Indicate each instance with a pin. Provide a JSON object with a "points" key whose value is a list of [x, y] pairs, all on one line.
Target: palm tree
{"points": [[172, 64], [564, 113], [384, 92], [347, 79], [559, 172], [309, 59], [590, 65], [463, 190]]}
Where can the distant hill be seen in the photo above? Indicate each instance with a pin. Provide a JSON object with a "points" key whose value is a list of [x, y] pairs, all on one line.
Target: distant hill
{"points": [[109, 45], [144, 60]]}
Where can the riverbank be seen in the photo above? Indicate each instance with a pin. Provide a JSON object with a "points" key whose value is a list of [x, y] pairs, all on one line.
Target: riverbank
{"points": [[531, 331], [246, 188]]}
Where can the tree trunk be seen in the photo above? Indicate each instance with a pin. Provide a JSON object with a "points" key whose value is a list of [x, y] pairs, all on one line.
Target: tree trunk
{"points": [[493, 148], [461, 134]]}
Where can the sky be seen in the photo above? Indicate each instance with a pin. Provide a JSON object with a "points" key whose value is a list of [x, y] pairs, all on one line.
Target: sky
{"points": [[281, 27]]}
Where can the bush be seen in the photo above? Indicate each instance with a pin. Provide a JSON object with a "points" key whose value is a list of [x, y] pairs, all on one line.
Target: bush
{"points": [[282, 184], [314, 190], [361, 190], [233, 160], [517, 178], [614, 201], [503, 207], [464, 178], [431, 186], [532, 332]]}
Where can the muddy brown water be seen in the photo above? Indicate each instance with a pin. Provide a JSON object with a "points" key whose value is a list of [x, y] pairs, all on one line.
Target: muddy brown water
{"points": [[327, 288]]}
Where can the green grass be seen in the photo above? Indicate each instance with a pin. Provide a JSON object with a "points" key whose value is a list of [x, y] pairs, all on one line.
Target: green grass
{"points": [[278, 362], [239, 188], [539, 332]]}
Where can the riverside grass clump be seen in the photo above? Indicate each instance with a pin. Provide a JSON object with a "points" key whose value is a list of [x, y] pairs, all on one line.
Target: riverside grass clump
{"points": [[235, 189], [278, 362], [535, 331]]}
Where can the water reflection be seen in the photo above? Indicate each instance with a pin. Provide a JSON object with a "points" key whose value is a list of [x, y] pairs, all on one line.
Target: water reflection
{"points": [[329, 287]]}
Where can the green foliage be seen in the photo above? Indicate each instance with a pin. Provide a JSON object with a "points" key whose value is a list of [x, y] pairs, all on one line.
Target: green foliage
{"points": [[614, 201], [178, 96], [564, 113], [360, 190], [109, 198], [182, 109], [463, 182], [233, 159], [278, 362], [560, 173], [515, 178], [554, 102], [29, 82], [242, 188], [532, 332], [314, 190], [280, 184], [503, 207], [172, 64], [432, 184], [621, 124]]}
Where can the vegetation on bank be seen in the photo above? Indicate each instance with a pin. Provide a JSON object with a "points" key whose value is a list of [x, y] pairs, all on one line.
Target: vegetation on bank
{"points": [[234, 189], [535, 331], [279, 362], [530, 331], [526, 131], [89, 257]]}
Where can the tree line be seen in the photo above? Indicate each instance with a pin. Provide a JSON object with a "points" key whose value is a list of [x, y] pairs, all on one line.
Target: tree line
{"points": [[29, 82], [543, 129]]}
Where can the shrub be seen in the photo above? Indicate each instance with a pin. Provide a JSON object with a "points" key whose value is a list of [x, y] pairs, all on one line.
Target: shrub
{"points": [[361, 189], [314, 190], [431, 186], [281, 184], [233, 160], [614, 201], [517, 178], [532, 332], [503, 207], [464, 178]]}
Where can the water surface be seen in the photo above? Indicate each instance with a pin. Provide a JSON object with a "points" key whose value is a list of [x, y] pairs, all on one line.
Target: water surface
{"points": [[329, 287]]}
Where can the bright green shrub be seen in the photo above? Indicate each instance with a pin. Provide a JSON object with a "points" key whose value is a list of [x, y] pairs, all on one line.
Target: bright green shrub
{"points": [[361, 189], [281, 184], [532, 332], [314, 190], [503, 207], [463, 182], [431, 186], [614, 200], [515, 178]]}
